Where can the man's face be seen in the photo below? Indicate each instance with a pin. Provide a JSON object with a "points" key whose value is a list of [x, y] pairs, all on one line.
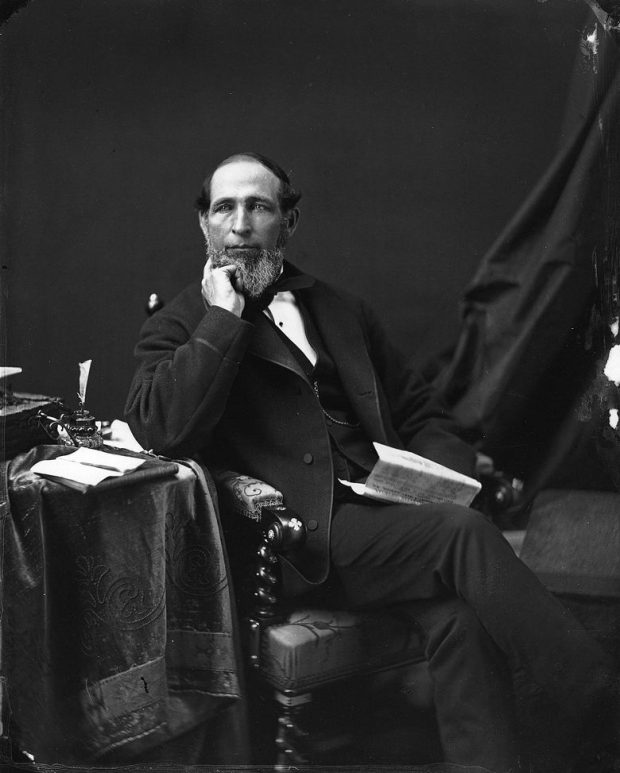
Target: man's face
{"points": [[245, 208], [245, 226]]}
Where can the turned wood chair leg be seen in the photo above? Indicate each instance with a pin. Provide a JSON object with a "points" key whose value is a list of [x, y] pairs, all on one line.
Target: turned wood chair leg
{"points": [[291, 738]]}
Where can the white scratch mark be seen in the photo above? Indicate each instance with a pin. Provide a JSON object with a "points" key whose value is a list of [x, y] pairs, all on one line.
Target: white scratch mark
{"points": [[592, 41], [589, 47], [613, 418], [612, 368]]}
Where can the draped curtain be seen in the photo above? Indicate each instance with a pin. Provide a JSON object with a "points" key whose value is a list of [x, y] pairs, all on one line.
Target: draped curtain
{"points": [[526, 377]]}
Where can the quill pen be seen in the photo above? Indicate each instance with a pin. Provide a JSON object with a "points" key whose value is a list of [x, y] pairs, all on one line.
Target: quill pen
{"points": [[84, 371]]}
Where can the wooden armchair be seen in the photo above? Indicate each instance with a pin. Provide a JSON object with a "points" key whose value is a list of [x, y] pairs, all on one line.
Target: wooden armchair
{"points": [[298, 647]]}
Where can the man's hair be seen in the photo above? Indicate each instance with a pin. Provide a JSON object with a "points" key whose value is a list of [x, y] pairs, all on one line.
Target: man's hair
{"points": [[288, 196]]}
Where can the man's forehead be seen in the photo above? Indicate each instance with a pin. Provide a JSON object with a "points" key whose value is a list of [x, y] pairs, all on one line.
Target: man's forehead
{"points": [[244, 177]]}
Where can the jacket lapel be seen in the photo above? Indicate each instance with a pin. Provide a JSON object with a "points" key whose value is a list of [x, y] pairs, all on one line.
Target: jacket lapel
{"points": [[267, 344], [342, 334]]}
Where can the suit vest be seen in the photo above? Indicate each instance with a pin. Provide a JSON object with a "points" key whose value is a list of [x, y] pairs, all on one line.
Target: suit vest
{"points": [[353, 455]]}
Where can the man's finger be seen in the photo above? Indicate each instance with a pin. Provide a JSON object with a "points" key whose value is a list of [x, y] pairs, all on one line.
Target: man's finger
{"points": [[233, 277]]}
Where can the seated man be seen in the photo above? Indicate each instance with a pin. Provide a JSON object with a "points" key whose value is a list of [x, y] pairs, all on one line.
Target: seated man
{"points": [[265, 370]]}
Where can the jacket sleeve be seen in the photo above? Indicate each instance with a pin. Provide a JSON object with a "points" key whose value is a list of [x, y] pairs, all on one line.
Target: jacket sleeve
{"points": [[188, 359], [418, 414]]}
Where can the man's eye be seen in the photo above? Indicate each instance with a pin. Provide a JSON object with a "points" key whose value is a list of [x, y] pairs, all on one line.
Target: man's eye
{"points": [[223, 207], [260, 206]]}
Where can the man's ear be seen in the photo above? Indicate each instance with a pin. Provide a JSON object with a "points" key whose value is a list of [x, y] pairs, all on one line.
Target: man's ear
{"points": [[204, 226], [291, 220]]}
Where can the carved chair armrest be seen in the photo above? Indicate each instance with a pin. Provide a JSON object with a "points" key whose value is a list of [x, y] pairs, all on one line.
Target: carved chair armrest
{"points": [[246, 495], [280, 530], [283, 529]]}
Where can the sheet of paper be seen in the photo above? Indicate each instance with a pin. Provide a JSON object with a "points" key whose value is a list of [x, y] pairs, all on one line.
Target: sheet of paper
{"points": [[122, 437], [356, 488], [402, 476], [411, 487], [80, 473], [409, 459], [107, 461], [6, 371], [361, 490]]}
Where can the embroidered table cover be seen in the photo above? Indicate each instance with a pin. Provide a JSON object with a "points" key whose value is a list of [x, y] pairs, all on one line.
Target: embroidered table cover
{"points": [[118, 632]]}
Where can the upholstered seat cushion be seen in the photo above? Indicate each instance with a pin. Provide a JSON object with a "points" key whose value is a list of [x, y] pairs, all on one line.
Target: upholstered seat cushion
{"points": [[316, 646]]}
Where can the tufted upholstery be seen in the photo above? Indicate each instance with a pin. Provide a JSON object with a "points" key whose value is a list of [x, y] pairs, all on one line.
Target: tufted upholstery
{"points": [[313, 647]]}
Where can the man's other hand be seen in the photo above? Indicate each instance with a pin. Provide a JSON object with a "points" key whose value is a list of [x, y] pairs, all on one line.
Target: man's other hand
{"points": [[220, 287]]}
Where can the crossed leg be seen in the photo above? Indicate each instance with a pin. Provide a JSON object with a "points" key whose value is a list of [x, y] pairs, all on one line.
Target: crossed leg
{"points": [[485, 614]]}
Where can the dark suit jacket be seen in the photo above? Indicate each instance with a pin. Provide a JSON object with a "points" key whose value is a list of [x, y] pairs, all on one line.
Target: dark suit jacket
{"points": [[230, 390]]}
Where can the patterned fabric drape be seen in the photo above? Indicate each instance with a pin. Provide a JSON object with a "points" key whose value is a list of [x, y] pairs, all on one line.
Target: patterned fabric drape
{"points": [[118, 631]]}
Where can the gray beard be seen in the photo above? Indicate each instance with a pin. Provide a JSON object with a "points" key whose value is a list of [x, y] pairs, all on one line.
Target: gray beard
{"points": [[256, 269]]}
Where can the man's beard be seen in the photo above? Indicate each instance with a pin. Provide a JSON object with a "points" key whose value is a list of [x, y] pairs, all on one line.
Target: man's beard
{"points": [[256, 269]]}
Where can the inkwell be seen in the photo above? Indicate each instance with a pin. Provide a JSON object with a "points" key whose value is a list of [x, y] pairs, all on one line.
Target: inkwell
{"points": [[76, 428]]}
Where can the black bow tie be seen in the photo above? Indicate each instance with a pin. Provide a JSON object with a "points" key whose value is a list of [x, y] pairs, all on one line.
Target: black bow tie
{"points": [[293, 282], [282, 284]]}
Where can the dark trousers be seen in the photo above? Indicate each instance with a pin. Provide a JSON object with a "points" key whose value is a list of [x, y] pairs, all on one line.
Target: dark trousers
{"points": [[485, 615]]}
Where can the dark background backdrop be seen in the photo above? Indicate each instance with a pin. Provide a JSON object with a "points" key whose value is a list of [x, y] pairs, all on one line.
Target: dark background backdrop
{"points": [[414, 128]]}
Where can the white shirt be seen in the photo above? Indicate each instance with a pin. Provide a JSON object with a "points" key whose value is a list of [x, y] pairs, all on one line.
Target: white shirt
{"points": [[284, 312]]}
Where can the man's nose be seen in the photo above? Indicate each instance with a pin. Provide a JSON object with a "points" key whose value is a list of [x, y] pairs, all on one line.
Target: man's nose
{"points": [[241, 221]]}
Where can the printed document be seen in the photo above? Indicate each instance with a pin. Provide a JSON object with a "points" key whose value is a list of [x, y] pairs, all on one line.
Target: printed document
{"points": [[405, 477]]}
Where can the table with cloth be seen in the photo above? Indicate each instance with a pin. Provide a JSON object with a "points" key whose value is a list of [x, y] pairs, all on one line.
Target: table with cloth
{"points": [[118, 630]]}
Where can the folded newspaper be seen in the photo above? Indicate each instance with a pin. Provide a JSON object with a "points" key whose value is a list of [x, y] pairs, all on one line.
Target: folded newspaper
{"points": [[405, 477]]}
